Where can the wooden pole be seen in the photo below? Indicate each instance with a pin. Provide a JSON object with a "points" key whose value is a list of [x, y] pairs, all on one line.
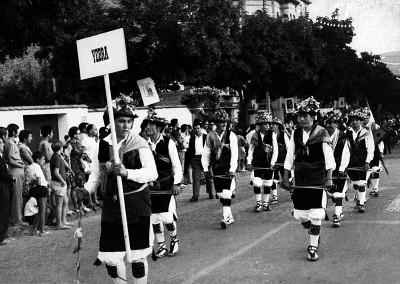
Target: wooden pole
{"points": [[117, 162]]}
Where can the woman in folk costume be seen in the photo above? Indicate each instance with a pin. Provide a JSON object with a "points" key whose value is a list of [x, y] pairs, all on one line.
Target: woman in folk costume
{"points": [[376, 162], [137, 168], [167, 185], [219, 160], [310, 155], [262, 156], [361, 154], [282, 138], [341, 152]]}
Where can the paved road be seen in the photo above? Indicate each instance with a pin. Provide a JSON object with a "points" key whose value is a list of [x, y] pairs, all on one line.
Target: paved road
{"points": [[265, 247]]}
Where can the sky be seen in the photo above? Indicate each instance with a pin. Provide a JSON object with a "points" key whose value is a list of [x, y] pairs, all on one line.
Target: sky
{"points": [[376, 22]]}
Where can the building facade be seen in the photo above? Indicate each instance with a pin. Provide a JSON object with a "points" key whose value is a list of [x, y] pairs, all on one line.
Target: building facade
{"points": [[290, 9]]}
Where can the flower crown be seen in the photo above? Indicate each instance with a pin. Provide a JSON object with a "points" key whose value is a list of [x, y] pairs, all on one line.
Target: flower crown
{"points": [[309, 105], [277, 121], [358, 113], [220, 115], [124, 103], [334, 115], [152, 117], [263, 117]]}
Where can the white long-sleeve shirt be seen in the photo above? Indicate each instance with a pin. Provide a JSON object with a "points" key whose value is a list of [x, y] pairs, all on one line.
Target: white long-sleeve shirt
{"points": [[369, 143], [274, 149], [205, 158], [173, 155], [326, 148], [147, 173], [345, 160]]}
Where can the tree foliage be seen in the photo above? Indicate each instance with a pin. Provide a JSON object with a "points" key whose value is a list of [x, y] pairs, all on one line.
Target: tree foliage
{"points": [[198, 43]]}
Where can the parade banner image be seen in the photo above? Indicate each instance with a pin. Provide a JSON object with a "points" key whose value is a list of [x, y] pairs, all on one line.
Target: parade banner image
{"points": [[289, 105], [102, 54], [148, 91]]}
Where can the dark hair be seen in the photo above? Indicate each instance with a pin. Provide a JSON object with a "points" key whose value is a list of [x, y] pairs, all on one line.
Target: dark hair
{"points": [[252, 127], [66, 137], [89, 127], [197, 120], [174, 122], [45, 130], [197, 123], [24, 134], [12, 128], [56, 146], [103, 132], [82, 127], [3, 132], [143, 126], [184, 127], [37, 155], [72, 131]]}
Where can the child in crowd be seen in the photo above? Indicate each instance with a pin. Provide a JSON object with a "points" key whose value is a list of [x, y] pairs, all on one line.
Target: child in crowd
{"points": [[59, 185], [38, 189], [69, 178]]}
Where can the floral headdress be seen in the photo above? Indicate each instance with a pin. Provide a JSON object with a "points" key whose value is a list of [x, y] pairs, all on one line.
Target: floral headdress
{"points": [[220, 115], [154, 118], [123, 105], [358, 113], [309, 106], [333, 116], [277, 121], [367, 112], [263, 117]]}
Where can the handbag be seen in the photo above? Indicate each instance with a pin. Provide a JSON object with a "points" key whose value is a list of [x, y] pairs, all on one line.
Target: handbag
{"points": [[86, 165]]}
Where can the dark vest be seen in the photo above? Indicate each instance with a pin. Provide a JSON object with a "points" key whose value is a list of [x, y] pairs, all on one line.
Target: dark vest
{"points": [[163, 161], [358, 153], [337, 153], [223, 164], [260, 157], [136, 204], [309, 162], [281, 147]]}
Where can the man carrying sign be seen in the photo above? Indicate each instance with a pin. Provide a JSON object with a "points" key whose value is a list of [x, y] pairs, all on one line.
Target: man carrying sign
{"points": [[137, 168]]}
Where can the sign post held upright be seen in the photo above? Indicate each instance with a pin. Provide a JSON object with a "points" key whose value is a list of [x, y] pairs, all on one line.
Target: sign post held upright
{"points": [[100, 55]]}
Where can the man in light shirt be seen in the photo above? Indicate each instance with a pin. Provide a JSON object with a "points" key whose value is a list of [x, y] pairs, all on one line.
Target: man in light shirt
{"points": [[362, 152], [310, 155], [167, 185], [137, 169], [194, 154], [220, 160]]}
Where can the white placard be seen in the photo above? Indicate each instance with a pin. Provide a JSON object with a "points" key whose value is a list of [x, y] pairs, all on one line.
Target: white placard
{"points": [[289, 105], [102, 54], [148, 91]]}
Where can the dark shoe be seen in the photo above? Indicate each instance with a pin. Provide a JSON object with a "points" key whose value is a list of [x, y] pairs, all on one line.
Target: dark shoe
{"points": [[312, 253], [336, 221], [361, 208], [258, 207], [193, 199], [266, 207]]}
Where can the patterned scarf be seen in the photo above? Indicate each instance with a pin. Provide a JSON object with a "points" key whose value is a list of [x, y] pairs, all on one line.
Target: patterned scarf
{"points": [[215, 144]]}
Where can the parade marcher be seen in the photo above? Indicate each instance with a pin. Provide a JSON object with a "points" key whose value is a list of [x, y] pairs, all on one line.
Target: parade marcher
{"points": [[376, 165], [219, 160], [362, 152], [282, 138], [310, 155], [263, 152], [167, 185], [376, 162], [137, 168], [341, 152]]}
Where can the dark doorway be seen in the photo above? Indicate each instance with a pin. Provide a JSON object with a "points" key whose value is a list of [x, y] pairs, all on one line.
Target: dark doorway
{"points": [[34, 122]]}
